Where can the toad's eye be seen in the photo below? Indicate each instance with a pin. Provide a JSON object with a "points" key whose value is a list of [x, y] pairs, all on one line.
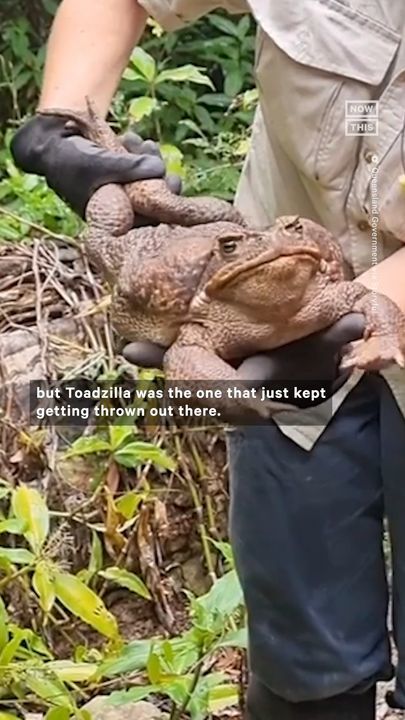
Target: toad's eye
{"points": [[228, 246]]}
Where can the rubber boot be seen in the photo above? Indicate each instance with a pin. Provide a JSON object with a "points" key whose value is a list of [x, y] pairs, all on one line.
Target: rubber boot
{"points": [[264, 705]]}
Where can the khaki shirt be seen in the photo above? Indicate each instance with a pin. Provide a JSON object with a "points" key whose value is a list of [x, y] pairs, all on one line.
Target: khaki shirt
{"points": [[312, 56]]}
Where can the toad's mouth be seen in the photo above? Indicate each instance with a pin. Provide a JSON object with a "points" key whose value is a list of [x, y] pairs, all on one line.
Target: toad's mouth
{"points": [[234, 271]]}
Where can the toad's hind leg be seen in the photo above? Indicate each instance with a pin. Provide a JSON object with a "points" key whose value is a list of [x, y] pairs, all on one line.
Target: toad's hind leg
{"points": [[196, 368]]}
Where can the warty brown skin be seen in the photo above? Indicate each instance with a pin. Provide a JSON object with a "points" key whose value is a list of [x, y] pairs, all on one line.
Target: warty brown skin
{"points": [[218, 291]]}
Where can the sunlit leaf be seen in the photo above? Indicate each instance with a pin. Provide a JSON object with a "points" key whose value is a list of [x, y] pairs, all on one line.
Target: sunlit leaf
{"points": [[48, 688], [185, 73], [84, 603], [142, 107], [96, 554], [43, 584], [69, 671], [30, 508], [137, 453], [127, 580], [88, 445], [118, 434], [58, 713], [221, 697], [173, 158], [144, 63], [13, 526], [153, 668], [18, 556], [128, 504], [133, 656]]}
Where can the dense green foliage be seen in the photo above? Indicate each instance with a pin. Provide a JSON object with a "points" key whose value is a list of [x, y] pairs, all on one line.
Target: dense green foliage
{"points": [[200, 112]]}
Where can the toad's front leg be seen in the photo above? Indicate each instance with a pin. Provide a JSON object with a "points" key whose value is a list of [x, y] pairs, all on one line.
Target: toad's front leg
{"points": [[383, 343], [197, 368]]}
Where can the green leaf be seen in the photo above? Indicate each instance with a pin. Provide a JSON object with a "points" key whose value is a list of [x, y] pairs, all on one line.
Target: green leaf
{"points": [[144, 63], [137, 453], [18, 556], [185, 73], [43, 584], [222, 696], [8, 716], [118, 435], [142, 107], [236, 638], [173, 158], [128, 504], [225, 550], [233, 83], [132, 657], [127, 580], [87, 446], [224, 25], [12, 526], [85, 604], [224, 597], [96, 554], [3, 625], [153, 668], [30, 508], [48, 688], [58, 713], [135, 694], [72, 672]]}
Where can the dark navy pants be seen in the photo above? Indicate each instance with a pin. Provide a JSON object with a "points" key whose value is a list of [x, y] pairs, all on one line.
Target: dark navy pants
{"points": [[307, 532]]}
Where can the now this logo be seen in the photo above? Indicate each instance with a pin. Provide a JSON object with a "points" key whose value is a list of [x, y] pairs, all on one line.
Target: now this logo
{"points": [[361, 118]]}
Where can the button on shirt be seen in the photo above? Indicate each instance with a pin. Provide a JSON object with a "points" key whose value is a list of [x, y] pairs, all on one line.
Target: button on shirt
{"points": [[313, 57]]}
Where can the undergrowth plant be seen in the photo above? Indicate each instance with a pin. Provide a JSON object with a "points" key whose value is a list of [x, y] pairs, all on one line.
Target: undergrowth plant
{"points": [[180, 668]]}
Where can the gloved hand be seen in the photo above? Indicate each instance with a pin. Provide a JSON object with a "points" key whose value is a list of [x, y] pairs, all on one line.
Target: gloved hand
{"points": [[314, 359], [75, 167]]}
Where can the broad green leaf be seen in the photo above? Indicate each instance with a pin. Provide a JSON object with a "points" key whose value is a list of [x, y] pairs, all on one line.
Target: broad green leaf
{"points": [[30, 508], [43, 584], [18, 556], [84, 603], [58, 713], [127, 580], [128, 504], [137, 453], [10, 650], [48, 688], [133, 75], [236, 638], [12, 526], [72, 672], [185, 73], [233, 83], [223, 24], [87, 446], [135, 694], [144, 63], [173, 158], [132, 657], [153, 668], [142, 107], [224, 597], [118, 434], [3, 625], [221, 697], [8, 716]]}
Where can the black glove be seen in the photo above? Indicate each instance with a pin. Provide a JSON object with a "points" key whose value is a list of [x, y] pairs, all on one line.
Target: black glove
{"points": [[314, 359], [75, 167]]}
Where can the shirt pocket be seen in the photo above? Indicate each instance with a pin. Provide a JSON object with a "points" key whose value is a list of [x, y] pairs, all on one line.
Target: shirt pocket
{"points": [[312, 57]]}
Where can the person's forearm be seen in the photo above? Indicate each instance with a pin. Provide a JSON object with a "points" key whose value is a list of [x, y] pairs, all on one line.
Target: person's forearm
{"points": [[388, 277], [88, 49]]}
